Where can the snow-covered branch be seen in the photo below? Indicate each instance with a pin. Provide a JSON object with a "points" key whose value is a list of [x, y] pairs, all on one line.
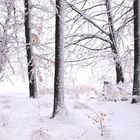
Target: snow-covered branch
{"points": [[87, 18], [87, 36]]}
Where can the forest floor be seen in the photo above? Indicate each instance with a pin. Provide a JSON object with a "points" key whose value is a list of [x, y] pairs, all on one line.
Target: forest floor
{"points": [[86, 118]]}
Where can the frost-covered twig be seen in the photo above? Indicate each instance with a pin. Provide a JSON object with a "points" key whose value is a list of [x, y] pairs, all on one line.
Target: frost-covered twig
{"points": [[99, 120]]}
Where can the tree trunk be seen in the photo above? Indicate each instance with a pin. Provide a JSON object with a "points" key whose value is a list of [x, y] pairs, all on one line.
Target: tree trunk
{"points": [[136, 81], [118, 65], [29, 50], [4, 41], [59, 59]]}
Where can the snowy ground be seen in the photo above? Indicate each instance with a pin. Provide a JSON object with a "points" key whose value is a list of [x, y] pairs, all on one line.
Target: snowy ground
{"points": [[22, 118]]}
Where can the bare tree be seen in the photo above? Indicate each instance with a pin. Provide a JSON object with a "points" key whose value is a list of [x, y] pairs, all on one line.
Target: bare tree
{"points": [[136, 81], [29, 50], [118, 65], [4, 36], [104, 27], [59, 59]]}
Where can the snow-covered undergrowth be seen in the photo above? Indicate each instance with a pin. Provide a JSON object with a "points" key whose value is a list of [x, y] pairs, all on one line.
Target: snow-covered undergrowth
{"points": [[120, 92], [86, 118]]}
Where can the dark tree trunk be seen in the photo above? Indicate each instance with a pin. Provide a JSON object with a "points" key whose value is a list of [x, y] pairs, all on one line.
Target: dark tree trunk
{"points": [[136, 81], [29, 50], [59, 59], [118, 65]]}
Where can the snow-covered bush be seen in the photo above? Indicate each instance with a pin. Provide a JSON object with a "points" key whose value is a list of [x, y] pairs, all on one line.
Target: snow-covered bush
{"points": [[114, 92]]}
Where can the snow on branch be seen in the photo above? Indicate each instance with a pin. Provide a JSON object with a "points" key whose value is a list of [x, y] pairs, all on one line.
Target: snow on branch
{"points": [[87, 36], [87, 18]]}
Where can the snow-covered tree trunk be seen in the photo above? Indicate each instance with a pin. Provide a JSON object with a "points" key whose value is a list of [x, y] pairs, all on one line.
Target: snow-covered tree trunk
{"points": [[29, 49], [136, 81], [118, 65], [59, 59]]}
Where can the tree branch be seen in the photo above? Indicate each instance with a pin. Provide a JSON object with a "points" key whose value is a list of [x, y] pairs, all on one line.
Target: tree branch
{"points": [[87, 18]]}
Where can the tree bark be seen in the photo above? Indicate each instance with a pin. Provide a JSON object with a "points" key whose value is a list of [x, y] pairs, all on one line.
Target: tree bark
{"points": [[29, 50], [118, 65], [59, 59], [136, 80]]}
